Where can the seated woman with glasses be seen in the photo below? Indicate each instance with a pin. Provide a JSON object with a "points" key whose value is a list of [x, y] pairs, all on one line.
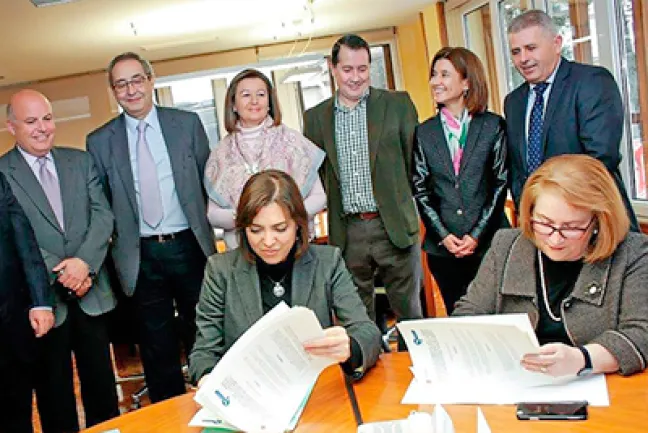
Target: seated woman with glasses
{"points": [[276, 263], [574, 269]]}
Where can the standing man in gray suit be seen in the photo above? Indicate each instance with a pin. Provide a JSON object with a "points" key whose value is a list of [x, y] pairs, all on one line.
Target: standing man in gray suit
{"points": [[59, 190], [151, 162]]}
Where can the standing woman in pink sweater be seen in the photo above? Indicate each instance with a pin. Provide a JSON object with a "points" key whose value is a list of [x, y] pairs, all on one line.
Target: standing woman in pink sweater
{"points": [[257, 141]]}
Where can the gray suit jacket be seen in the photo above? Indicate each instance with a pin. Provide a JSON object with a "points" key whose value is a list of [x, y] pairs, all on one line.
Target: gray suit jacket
{"points": [[88, 220], [230, 302], [608, 305], [188, 149]]}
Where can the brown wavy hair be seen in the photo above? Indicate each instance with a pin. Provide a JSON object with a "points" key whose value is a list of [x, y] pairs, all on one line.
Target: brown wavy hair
{"points": [[469, 68], [231, 117], [262, 189]]}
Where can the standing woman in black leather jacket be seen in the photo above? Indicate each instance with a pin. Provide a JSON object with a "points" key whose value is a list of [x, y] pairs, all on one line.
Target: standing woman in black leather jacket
{"points": [[460, 172]]}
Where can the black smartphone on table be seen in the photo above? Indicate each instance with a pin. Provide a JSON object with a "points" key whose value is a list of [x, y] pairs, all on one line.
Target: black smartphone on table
{"points": [[559, 410]]}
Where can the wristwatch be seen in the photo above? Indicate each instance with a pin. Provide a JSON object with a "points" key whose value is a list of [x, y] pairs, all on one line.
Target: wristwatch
{"points": [[587, 369]]}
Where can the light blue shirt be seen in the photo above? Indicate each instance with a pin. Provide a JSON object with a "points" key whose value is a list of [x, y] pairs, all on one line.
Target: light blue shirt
{"points": [[532, 97], [173, 219]]}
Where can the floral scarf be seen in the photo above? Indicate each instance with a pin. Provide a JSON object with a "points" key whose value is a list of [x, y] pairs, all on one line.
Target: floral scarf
{"points": [[235, 160]]}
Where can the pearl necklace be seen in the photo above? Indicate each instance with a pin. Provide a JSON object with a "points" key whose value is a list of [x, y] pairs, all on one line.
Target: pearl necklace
{"points": [[545, 295]]}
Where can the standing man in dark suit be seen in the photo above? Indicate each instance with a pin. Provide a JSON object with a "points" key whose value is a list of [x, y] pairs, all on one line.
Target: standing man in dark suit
{"points": [[25, 310], [563, 107], [59, 190], [368, 135], [151, 162]]}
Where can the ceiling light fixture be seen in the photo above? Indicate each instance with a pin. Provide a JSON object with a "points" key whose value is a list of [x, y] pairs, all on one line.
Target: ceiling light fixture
{"points": [[302, 73], [44, 3]]}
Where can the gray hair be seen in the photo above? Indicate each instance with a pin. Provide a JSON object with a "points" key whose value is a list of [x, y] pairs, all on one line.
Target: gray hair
{"points": [[532, 18], [129, 55], [10, 112]]}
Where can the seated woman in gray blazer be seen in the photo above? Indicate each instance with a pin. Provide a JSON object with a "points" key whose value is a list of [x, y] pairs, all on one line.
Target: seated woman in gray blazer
{"points": [[276, 263], [459, 172], [574, 269]]}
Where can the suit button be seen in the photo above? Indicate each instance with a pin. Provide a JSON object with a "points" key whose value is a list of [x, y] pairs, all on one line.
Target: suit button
{"points": [[459, 212], [457, 185], [567, 304]]}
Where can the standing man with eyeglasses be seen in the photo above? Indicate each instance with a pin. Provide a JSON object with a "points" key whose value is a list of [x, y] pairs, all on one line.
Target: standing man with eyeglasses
{"points": [[563, 107], [151, 162]]}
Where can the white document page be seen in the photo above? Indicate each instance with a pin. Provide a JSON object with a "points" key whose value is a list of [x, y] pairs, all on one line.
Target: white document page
{"points": [[592, 388], [261, 381], [417, 422], [464, 350], [482, 425]]}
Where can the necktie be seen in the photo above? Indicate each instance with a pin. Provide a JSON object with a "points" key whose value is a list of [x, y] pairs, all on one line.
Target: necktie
{"points": [[52, 190], [150, 197], [534, 149]]}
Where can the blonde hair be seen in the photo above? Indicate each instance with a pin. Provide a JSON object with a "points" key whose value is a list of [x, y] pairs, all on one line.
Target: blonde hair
{"points": [[584, 183]]}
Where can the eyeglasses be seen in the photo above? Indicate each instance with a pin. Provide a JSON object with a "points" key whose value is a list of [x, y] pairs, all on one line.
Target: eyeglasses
{"points": [[574, 233], [137, 81]]}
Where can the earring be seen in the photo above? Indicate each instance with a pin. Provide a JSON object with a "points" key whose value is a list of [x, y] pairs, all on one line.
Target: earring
{"points": [[465, 92], [595, 231]]}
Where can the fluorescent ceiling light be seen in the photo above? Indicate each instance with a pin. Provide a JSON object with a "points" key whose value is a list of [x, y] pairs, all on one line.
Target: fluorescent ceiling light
{"points": [[302, 73], [43, 3]]}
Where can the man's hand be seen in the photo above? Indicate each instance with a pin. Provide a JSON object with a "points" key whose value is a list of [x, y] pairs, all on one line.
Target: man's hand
{"points": [[41, 321], [335, 344], [73, 273], [81, 291]]}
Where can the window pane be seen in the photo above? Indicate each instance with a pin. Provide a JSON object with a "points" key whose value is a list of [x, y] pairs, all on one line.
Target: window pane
{"points": [[478, 25], [196, 95], [508, 10], [634, 58], [378, 69], [575, 22]]}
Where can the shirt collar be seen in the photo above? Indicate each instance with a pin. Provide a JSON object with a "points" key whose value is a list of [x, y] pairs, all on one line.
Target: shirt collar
{"points": [[31, 159], [551, 77], [151, 119], [339, 106]]}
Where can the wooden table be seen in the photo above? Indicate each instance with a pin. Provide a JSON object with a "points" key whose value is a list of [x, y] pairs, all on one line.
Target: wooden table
{"points": [[379, 393], [328, 410]]}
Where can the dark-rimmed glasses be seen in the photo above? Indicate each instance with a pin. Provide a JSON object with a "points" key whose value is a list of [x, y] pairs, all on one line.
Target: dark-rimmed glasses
{"points": [[573, 233], [137, 81]]}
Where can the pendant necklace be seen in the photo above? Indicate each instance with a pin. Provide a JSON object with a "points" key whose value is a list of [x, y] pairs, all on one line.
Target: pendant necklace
{"points": [[545, 295], [278, 290]]}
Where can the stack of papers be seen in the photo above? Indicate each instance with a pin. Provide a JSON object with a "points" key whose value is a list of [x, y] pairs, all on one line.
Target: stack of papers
{"points": [[263, 381], [476, 360], [422, 422]]}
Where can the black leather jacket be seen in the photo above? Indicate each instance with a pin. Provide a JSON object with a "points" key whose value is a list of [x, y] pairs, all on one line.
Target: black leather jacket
{"points": [[471, 202]]}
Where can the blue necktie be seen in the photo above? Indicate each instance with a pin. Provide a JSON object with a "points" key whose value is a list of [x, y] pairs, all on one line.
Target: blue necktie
{"points": [[534, 140]]}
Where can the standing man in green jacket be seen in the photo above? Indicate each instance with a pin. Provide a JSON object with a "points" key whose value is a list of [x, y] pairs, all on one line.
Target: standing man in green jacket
{"points": [[368, 134]]}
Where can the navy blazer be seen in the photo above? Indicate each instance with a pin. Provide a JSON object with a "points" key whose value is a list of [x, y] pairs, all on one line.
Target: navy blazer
{"points": [[584, 115], [23, 276], [471, 202]]}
